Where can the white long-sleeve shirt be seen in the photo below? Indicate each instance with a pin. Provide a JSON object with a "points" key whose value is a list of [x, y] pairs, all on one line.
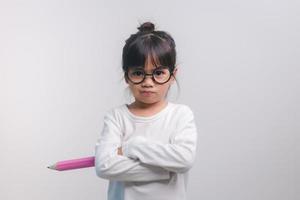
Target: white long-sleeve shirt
{"points": [[158, 152]]}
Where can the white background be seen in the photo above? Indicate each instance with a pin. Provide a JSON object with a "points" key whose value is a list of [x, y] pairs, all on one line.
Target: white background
{"points": [[60, 70]]}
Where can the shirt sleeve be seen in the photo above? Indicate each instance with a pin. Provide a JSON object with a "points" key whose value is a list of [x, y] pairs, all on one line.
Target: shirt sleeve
{"points": [[110, 165], [177, 156]]}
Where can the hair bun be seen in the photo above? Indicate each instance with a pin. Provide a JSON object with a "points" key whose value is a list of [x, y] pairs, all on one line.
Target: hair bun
{"points": [[146, 27]]}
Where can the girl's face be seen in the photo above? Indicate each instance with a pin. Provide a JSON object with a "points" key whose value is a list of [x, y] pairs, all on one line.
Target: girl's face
{"points": [[148, 91]]}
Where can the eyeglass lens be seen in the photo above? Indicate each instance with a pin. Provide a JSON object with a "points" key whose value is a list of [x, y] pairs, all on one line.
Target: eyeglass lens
{"points": [[160, 74]]}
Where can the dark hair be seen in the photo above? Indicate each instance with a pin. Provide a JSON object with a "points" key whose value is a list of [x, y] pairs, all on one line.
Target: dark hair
{"points": [[159, 45]]}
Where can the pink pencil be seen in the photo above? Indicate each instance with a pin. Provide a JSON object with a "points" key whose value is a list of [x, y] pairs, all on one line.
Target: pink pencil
{"points": [[74, 164]]}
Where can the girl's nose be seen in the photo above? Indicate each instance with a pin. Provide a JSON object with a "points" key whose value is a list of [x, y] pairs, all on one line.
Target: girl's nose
{"points": [[148, 81]]}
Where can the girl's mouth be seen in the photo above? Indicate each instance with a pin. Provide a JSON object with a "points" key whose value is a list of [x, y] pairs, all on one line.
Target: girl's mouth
{"points": [[147, 93]]}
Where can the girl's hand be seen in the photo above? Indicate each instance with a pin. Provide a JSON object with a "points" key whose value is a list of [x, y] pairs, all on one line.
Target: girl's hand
{"points": [[126, 146], [120, 152]]}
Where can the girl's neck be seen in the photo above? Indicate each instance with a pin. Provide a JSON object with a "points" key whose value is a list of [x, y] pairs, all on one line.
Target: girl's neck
{"points": [[140, 105], [144, 109]]}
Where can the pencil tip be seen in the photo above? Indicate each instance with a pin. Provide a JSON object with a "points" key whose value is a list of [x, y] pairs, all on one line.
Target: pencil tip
{"points": [[51, 167]]}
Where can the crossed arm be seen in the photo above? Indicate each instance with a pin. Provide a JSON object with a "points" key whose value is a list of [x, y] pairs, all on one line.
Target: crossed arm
{"points": [[177, 156], [111, 164], [142, 160]]}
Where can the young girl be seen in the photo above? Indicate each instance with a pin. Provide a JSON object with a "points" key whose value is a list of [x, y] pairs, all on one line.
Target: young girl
{"points": [[146, 148]]}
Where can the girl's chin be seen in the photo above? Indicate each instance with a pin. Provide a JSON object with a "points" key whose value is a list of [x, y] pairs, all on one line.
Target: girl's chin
{"points": [[146, 100]]}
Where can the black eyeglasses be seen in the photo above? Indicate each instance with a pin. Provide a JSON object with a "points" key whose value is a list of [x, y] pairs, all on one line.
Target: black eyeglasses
{"points": [[159, 75]]}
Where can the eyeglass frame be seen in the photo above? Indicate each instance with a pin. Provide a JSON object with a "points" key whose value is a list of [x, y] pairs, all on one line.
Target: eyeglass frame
{"points": [[152, 74]]}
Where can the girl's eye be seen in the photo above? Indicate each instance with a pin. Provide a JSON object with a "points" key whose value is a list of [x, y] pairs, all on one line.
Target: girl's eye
{"points": [[159, 72], [137, 73]]}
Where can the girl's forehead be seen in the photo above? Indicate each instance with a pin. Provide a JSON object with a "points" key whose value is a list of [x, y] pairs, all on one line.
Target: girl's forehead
{"points": [[151, 62], [150, 66]]}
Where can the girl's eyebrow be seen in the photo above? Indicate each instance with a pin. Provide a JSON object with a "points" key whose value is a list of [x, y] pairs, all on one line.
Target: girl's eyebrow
{"points": [[157, 66], [140, 67]]}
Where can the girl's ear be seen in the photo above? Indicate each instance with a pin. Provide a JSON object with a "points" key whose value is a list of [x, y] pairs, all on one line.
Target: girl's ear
{"points": [[175, 71], [174, 74], [125, 79]]}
